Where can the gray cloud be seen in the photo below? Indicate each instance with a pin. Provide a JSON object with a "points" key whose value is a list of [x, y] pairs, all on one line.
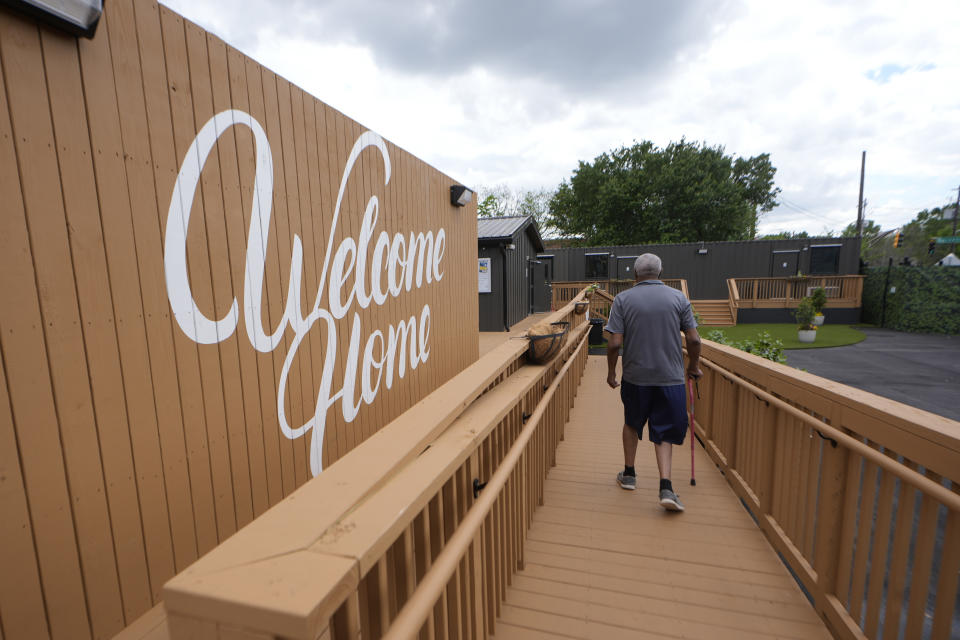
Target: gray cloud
{"points": [[574, 44], [517, 92]]}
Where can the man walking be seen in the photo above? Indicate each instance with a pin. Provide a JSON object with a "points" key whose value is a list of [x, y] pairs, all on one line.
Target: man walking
{"points": [[646, 321]]}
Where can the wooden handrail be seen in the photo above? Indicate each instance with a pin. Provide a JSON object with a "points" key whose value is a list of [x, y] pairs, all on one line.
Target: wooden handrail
{"points": [[945, 496], [420, 605], [826, 503], [308, 548]]}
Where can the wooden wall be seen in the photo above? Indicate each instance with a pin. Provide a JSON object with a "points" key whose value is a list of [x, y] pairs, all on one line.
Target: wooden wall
{"points": [[127, 447]]}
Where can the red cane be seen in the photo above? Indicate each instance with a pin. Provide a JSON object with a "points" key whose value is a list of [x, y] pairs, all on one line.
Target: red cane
{"points": [[693, 434]]}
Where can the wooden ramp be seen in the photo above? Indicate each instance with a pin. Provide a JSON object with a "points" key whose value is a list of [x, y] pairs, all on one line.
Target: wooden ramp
{"points": [[601, 562]]}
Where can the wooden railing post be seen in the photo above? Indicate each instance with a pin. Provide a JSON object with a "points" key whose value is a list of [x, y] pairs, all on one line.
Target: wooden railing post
{"points": [[829, 524]]}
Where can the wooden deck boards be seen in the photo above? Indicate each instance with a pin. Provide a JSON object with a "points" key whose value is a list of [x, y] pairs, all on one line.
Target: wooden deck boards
{"points": [[602, 562]]}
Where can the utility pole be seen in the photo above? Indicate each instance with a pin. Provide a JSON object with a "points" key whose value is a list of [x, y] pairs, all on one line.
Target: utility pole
{"points": [[956, 214], [863, 165]]}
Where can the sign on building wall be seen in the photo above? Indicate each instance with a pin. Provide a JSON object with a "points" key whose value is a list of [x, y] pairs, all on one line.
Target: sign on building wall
{"points": [[214, 287], [484, 274]]}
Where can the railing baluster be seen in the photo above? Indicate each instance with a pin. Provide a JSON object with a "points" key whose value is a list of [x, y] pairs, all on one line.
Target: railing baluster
{"points": [[815, 445], [366, 615], [878, 561], [829, 519], [489, 576], [767, 446], [383, 598], [868, 497], [851, 495], [947, 584], [792, 457], [409, 563], [922, 559], [897, 571], [781, 470]]}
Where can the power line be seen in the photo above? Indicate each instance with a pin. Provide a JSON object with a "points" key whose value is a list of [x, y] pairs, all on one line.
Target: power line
{"points": [[797, 209], [790, 203]]}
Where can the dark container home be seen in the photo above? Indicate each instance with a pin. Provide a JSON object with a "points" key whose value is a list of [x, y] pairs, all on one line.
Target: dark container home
{"points": [[513, 281], [706, 266]]}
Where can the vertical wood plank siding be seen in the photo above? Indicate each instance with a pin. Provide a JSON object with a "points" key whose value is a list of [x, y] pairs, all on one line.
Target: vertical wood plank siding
{"points": [[127, 449]]}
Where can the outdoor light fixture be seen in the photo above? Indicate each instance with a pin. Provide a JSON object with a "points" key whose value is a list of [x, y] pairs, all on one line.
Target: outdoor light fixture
{"points": [[702, 250], [460, 196], [79, 17]]}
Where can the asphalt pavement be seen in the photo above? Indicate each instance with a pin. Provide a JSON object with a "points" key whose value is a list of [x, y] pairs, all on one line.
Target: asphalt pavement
{"points": [[920, 370]]}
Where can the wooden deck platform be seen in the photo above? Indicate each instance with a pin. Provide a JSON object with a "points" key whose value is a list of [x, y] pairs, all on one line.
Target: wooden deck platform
{"points": [[602, 562]]}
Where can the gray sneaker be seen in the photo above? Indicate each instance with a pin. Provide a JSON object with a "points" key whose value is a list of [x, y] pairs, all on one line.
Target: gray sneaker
{"points": [[670, 501], [627, 482]]}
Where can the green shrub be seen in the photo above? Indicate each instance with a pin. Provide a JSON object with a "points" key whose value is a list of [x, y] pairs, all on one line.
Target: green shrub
{"points": [[819, 299], [715, 335], [804, 313], [764, 345], [927, 299]]}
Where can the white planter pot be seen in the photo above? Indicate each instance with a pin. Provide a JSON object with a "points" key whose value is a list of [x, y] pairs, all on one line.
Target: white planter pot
{"points": [[806, 335], [818, 320]]}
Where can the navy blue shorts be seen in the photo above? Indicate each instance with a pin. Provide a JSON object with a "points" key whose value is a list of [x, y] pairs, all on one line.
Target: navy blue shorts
{"points": [[665, 408]]}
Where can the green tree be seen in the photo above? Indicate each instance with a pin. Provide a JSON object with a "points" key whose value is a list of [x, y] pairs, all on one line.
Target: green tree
{"points": [[877, 247], [872, 247], [682, 193], [917, 234], [501, 200], [785, 235], [488, 207]]}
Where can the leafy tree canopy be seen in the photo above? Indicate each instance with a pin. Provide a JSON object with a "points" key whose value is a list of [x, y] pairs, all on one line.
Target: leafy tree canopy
{"points": [[501, 200], [685, 192], [877, 247], [785, 235]]}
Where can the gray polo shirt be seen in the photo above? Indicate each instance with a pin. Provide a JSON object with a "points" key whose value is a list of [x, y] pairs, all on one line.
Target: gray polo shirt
{"points": [[651, 315]]}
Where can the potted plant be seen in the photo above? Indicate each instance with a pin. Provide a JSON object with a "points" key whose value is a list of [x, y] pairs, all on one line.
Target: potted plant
{"points": [[819, 299], [589, 292], [807, 331]]}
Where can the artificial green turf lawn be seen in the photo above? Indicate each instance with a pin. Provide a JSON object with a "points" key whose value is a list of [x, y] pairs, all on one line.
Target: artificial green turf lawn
{"points": [[829, 335]]}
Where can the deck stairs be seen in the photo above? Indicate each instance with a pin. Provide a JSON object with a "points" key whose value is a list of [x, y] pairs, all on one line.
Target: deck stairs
{"points": [[715, 313]]}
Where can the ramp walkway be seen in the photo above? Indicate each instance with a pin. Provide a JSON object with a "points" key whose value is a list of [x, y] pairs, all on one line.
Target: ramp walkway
{"points": [[601, 562], [490, 509]]}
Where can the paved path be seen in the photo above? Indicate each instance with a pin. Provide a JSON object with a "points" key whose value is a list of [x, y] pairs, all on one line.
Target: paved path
{"points": [[922, 371]]}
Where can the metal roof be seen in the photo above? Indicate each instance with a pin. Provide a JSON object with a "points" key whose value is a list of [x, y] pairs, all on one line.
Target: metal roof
{"points": [[507, 227]]}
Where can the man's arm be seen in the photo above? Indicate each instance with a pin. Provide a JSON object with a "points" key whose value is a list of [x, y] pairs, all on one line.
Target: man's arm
{"points": [[613, 353], [692, 338]]}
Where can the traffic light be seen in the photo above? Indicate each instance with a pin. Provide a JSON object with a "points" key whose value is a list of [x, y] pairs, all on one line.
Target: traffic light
{"points": [[898, 240], [932, 247]]}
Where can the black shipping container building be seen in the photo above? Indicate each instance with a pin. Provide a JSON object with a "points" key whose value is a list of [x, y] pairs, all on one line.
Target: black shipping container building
{"points": [[513, 282], [707, 265]]}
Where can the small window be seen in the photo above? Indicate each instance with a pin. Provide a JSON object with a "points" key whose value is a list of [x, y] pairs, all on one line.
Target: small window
{"points": [[825, 259], [597, 266]]}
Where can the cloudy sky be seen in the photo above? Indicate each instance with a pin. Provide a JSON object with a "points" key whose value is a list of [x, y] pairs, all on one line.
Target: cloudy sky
{"points": [[516, 92]]}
